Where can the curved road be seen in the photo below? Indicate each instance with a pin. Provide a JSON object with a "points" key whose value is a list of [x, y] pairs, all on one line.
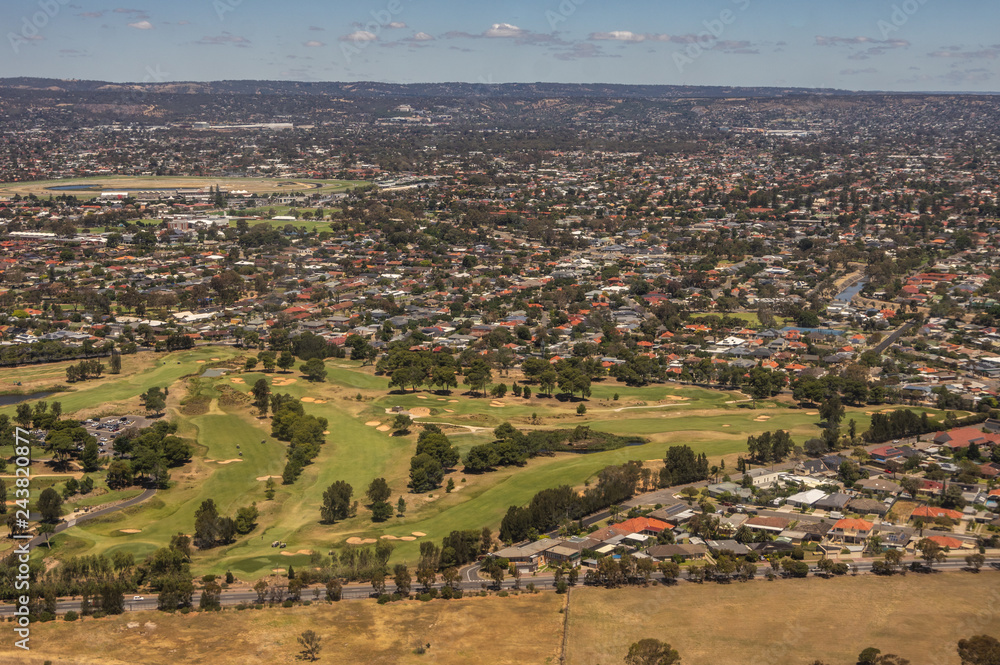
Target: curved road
{"points": [[83, 517]]}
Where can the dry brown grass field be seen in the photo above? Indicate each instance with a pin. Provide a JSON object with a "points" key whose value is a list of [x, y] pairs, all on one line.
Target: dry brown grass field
{"points": [[515, 630], [789, 622]]}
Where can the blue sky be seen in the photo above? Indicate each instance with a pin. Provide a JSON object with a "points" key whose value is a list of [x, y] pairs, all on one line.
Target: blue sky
{"points": [[851, 44]]}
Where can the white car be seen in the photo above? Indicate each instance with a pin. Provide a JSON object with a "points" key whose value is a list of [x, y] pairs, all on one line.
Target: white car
{"points": [[138, 598]]}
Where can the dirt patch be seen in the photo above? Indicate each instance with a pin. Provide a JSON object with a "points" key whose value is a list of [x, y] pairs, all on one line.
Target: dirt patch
{"points": [[130, 530], [675, 398], [373, 423], [420, 412], [354, 540]]}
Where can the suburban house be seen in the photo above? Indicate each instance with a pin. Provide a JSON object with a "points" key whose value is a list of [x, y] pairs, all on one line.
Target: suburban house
{"points": [[771, 524], [868, 507], [685, 552], [644, 525], [933, 513], [763, 477], [852, 530], [964, 436]]}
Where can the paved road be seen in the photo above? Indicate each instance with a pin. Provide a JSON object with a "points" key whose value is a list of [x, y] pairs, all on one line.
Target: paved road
{"points": [[362, 591], [76, 518]]}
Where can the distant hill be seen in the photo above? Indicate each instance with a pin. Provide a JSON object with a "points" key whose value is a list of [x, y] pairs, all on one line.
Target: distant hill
{"points": [[417, 90]]}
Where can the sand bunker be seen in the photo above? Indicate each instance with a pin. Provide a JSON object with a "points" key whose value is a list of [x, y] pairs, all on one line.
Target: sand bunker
{"points": [[320, 401], [419, 534], [216, 358], [278, 571], [421, 396], [373, 423], [264, 478], [449, 410], [727, 425], [309, 400], [237, 379], [420, 412], [389, 538], [383, 428], [675, 398], [296, 553], [354, 540], [497, 404], [231, 461], [453, 401], [283, 382], [200, 362], [407, 538], [812, 413], [442, 399], [130, 530], [326, 431]]}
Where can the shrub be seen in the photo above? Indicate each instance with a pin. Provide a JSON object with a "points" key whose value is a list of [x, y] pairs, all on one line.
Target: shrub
{"points": [[503, 594], [424, 597], [71, 616], [384, 598], [288, 603]]}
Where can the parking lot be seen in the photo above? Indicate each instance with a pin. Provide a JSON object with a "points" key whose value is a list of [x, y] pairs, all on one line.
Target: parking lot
{"points": [[106, 429]]}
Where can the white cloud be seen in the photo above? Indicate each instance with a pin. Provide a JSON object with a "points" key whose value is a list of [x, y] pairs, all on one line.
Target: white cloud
{"points": [[503, 30], [422, 37], [396, 25], [141, 25], [312, 43], [359, 36], [618, 36]]}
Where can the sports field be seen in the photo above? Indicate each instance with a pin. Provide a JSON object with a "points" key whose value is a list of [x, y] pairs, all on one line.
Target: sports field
{"points": [[88, 188]]}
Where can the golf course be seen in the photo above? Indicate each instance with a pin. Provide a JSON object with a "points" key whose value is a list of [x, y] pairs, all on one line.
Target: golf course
{"points": [[235, 454]]}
